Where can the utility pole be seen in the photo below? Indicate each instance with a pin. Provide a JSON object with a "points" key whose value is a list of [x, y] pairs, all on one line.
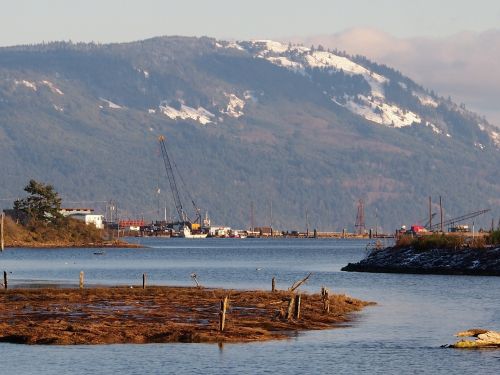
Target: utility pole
{"points": [[307, 224], [271, 221], [441, 212], [430, 211], [252, 224]]}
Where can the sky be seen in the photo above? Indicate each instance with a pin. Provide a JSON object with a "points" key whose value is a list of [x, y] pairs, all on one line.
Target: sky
{"points": [[446, 45], [31, 21]]}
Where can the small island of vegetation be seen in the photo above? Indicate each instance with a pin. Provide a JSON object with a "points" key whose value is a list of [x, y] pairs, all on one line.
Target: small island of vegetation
{"points": [[164, 314], [36, 221]]}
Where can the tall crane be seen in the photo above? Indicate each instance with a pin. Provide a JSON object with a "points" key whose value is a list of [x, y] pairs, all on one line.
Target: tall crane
{"points": [[459, 219], [182, 215]]}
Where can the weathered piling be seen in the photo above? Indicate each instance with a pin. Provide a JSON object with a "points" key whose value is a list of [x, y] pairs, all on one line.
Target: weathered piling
{"points": [[297, 307], [144, 277], [81, 279], [2, 244], [5, 279], [291, 306], [325, 296], [273, 285], [222, 314]]}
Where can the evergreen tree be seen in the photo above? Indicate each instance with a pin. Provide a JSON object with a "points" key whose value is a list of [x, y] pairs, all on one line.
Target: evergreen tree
{"points": [[43, 203]]}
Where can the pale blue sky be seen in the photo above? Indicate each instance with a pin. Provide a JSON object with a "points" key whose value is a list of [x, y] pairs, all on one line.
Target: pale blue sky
{"points": [[33, 21]]}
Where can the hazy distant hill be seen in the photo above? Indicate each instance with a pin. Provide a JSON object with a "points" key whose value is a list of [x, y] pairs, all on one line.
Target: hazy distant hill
{"points": [[305, 129]]}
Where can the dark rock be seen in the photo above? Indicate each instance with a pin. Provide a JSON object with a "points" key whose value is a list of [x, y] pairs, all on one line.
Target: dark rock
{"points": [[481, 262]]}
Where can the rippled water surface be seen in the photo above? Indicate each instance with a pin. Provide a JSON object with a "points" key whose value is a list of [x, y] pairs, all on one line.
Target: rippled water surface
{"points": [[402, 334]]}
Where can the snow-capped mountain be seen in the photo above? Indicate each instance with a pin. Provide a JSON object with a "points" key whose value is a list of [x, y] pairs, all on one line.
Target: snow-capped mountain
{"points": [[373, 104], [248, 121]]}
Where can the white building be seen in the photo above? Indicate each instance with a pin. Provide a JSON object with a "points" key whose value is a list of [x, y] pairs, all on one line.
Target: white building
{"points": [[84, 214]]}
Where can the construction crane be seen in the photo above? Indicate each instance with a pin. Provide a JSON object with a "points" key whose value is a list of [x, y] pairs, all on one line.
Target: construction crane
{"points": [[182, 215], [452, 222], [428, 222]]}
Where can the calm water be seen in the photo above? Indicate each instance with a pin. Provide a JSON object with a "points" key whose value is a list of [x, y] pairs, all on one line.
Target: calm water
{"points": [[402, 334]]}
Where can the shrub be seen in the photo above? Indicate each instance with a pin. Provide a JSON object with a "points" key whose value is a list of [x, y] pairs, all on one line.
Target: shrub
{"points": [[494, 237]]}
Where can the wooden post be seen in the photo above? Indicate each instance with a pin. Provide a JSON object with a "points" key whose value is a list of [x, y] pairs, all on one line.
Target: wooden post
{"points": [[5, 279], [297, 307], [2, 243], [326, 299], [144, 277], [326, 302], [222, 314], [273, 285], [291, 304], [81, 279]]}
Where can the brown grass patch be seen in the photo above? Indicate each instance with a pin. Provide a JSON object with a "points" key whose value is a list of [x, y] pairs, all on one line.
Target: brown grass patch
{"points": [[158, 315]]}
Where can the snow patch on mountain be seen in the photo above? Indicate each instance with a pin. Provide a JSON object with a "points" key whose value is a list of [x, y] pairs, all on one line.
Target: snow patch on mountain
{"points": [[235, 106], [110, 104], [286, 63], [328, 60], [57, 108], [380, 112], [271, 45], [479, 145], [25, 83], [251, 95], [52, 87], [185, 112], [434, 128], [426, 100], [495, 136]]}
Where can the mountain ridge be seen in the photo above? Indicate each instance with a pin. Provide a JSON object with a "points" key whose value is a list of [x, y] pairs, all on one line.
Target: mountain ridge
{"points": [[245, 129]]}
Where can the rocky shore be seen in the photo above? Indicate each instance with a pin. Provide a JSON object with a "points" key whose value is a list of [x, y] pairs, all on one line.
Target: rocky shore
{"points": [[465, 261]]}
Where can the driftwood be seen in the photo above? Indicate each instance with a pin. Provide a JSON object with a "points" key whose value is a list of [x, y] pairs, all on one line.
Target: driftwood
{"points": [[195, 278], [296, 284]]}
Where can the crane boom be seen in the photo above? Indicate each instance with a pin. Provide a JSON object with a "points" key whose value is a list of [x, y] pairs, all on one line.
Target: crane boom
{"points": [[171, 179], [460, 218]]}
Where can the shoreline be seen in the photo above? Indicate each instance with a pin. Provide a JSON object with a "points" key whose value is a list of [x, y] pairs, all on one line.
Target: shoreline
{"points": [[58, 245], [121, 315]]}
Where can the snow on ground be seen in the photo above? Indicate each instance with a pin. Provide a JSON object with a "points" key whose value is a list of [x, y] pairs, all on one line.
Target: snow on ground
{"points": [[235, 45], [276, 52], [110, 104], [286, 63], [28, 84], [426, 100], [57, 108], [495, 136], [151, 111], [200, 114], [434, 128], [251, 95], [328, 60], [271, 45], [235, 106], [52, 87], [381, 113], [479, 145]]}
